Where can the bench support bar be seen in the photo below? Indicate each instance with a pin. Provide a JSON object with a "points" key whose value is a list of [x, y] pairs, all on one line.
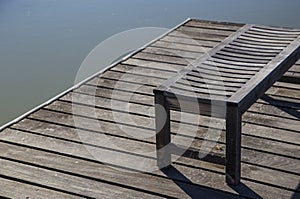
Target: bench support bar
{"points": [[233, 145], [162, 125]]}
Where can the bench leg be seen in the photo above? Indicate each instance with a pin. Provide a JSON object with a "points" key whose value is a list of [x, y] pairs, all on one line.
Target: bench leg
{"points": [[162, 125], [233, 145]]}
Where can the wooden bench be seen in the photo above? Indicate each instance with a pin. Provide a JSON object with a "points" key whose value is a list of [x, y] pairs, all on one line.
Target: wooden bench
{"points": [[224, 83]]}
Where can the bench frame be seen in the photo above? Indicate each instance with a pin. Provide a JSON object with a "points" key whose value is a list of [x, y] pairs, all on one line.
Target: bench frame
{"points": [[236, 105]]}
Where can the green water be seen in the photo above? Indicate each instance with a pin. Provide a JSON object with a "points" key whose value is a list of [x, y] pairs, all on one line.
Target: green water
{"points": [[42, 43]]}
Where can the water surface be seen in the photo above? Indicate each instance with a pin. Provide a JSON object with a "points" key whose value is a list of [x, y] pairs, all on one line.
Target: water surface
{"points": [[42, 43]]}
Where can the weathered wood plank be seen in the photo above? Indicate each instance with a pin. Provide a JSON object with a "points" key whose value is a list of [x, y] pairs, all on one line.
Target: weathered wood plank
{"points": [[237, 63], [220, 56], [252, 34], [254, 45], [291, 77], [131, 77], [172, 51], [15, 189], [226, 69], [214, 25], [223, 80], [245, 56], [232, 66], [270, 34], [214, 81], [280, 30], [77, 185], [186, 96], [121, 85], [287, 101], [277, 112], [261, 44], [249, 48], [274, 32], [120, 95], [244, 51], [164, 58], [285, 90], [190, 41], [294, 70], [206, 85], [143, 71], [207, 31], [197, 35], [147, 90], [203, 75], [238, 77], [209, 90], [273, 121], [283, 85], [266, 41], [189, 48], [153, 65]]}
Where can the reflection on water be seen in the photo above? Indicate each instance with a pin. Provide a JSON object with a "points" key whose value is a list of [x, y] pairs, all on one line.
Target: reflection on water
{"points": [[42, 43]]}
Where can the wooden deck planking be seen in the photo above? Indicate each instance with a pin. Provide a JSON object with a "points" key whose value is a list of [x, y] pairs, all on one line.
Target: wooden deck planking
{"points": [[249, 142], [145, 108], [56, 147], [48, 138], [258, 118], [106, 115], [70, 183], [88, 168], [63, 122], [55, 131], [26, 189]]}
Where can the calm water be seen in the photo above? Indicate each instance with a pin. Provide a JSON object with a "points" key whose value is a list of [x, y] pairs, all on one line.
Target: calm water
{"points": [[42, 43]]}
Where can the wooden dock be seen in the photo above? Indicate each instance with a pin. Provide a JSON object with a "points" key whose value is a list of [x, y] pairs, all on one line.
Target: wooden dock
{"points": [[42, 154]]}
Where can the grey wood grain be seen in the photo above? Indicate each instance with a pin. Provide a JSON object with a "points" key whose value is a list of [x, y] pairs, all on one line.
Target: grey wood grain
{"points": [[45, 148]]}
